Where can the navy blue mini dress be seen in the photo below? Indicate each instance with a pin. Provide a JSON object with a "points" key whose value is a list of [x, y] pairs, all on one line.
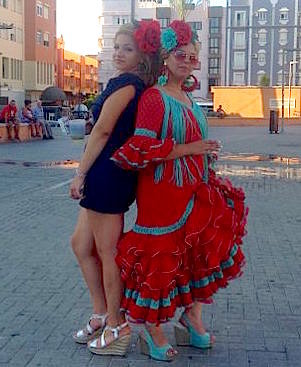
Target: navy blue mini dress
{"points": [[108, 188]]}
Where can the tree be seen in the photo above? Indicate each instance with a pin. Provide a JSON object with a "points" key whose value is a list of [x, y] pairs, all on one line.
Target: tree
{"points": [[183, 7], [264, 81]]}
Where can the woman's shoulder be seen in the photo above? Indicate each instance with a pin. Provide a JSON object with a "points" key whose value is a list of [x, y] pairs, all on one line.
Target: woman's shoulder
{"points": [[151, 101], [125, 79], [152, 93]]}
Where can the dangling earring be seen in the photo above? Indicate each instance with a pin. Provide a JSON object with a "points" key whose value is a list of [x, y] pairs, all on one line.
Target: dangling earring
{"points": [[190, 84], [163, 78]]}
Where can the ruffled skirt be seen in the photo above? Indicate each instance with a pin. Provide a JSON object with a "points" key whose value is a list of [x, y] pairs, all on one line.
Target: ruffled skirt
{"points": [[164, 271]]}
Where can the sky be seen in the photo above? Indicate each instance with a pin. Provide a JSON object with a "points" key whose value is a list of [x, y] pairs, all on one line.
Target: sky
{"points": [[77, 21]]}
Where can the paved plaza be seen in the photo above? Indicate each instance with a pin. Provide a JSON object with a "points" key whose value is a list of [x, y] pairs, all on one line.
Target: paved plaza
{"points": [[43, 299]]}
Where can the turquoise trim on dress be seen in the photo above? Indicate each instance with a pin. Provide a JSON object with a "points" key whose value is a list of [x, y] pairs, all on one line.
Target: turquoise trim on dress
{"points": [[166, 302], [176, 115], [158, 231], [145, 132]]}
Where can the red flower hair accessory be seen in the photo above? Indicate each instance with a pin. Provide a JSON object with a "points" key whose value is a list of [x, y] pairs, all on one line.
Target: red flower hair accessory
{"points": [[147, 36], [183, 31]]}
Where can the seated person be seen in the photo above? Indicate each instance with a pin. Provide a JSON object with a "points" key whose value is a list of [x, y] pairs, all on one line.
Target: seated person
{"points": [[38, 115], [220, 112], [8, 116], [26, 117]]}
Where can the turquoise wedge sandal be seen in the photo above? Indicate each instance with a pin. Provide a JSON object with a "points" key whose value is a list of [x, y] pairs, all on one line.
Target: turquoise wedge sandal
{"points": [[187, 335], [148, 347]]}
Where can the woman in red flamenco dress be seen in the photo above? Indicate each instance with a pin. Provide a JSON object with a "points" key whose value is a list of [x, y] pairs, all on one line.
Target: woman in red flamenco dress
{"points": [[186, 242]]}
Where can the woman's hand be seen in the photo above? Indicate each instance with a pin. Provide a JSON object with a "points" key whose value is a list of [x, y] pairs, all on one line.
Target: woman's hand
{"points": [[76, 187], [203, 147]]}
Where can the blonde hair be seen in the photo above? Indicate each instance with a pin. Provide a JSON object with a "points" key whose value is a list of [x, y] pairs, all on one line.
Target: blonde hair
{"points": [[150, 64]]}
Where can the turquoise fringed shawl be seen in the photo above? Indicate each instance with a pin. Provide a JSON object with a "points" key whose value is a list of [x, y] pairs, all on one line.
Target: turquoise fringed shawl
{"points": [[177, 113]]}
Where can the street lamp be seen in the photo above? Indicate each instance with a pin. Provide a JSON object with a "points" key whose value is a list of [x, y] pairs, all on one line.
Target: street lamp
{"points": [[290, 86]]}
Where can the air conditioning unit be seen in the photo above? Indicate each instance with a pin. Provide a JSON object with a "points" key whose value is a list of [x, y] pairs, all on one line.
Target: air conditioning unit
{"points": [[255, 56], [256, 14], [256, 35]]}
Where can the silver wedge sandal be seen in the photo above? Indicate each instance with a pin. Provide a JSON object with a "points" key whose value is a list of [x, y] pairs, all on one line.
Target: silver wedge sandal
{"points": [[88, 333], [118, 347]]}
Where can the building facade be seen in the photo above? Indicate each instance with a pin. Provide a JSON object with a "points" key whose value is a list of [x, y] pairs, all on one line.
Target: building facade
{"points": [[77, 75], [216, 47], [117, 12], [263, 42], [11, 51], [40, 46]]}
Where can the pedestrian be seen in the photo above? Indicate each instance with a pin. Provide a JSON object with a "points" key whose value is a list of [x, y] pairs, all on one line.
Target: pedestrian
{"points": [[8, 116], [106, 191], [185, 244], [26, 117], [38, 115], [220, 112]]}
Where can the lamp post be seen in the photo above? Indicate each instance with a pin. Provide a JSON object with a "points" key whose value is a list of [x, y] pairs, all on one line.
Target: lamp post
{"points": [[284, 52], [133, 6], [290, 86]]}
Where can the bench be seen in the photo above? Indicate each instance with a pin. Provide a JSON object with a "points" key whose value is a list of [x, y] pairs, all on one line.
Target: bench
{"points": [[24, 133]]}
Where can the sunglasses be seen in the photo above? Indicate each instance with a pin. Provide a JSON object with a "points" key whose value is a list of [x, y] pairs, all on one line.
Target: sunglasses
{"points": [[182, 56]]}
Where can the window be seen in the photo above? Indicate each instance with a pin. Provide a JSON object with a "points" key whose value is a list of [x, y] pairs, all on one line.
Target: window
{"points": [[262, 37], [214, 25], [39, 37], [39, 9], [260, 74], [5, 67], [283, 37], [46, 39], [262, 15], [282, 58], [164, 22], [283, 16], [238, 78], [46, 11], [213, 63], [239, 60], [261, 57], [16, 71], [239, 40], [12, 35], [214, 66], [214, 46], [118, 20], [4, 3], [196, 26], [240, 18]]}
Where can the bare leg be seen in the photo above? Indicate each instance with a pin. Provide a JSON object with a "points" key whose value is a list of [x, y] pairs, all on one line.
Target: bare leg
{"points": [[84, 249], [106, 230], [195, 317], [8, 128], [16, 127]]}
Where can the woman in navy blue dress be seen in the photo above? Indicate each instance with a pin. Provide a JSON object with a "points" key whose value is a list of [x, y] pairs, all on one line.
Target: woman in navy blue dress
{"points": [[106, 191]]}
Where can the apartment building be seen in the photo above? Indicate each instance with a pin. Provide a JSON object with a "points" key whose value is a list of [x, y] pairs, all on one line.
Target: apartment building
{"points": [[40, 46], [263, 38], [77, 75], [197, 17], [216, 46], [11, 51]]}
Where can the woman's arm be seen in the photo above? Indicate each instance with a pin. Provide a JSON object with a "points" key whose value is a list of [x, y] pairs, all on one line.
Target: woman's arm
{"points": [[111, 111], [194, 148]]}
